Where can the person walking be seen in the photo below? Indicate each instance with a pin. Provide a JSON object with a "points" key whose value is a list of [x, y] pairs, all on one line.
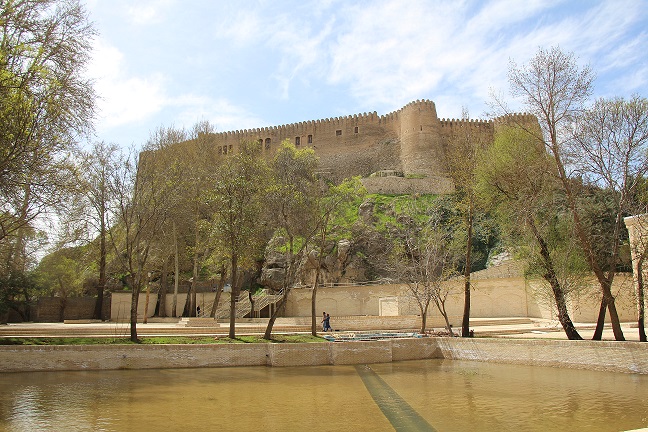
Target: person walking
{"points": [[327, 322], [324, 323]]}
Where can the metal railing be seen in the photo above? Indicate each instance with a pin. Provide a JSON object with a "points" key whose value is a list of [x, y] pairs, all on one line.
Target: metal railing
{"points": [[243, 305]]}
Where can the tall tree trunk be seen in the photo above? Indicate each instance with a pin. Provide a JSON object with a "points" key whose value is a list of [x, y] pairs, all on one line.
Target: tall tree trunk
{"points": [[176, 274], [98, 312], [233, 297], [190, 302], [314, 304], [275, 313], [641, 313], [551, 277], [148, 296], [16, 257], [219, 290], [423, 318], [465, 323], [600, 320], [318, 270], [609, 301], [160, 307], [133, 313]]}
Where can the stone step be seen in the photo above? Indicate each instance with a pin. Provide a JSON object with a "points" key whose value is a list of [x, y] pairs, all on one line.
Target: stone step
{"points": [[500, 321]]}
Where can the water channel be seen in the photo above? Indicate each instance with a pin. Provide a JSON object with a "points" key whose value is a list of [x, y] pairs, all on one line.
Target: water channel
{"points": [[426, 395]]}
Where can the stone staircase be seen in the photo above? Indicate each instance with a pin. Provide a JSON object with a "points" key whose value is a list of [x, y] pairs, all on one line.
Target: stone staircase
{"points": [[243, 304]]}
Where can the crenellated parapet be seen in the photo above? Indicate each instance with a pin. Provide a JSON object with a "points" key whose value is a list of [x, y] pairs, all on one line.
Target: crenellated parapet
{"points": [[516, 118], [464, 122]]}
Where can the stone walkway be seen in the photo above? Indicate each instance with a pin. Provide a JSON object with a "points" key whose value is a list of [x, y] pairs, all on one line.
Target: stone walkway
{"points": [[504, 328]]}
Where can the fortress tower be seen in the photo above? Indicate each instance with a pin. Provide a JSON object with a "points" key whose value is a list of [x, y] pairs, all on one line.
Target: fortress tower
{"points": [[421, 150]]}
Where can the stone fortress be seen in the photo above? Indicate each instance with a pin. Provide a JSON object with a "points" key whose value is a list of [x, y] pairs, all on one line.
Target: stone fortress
{"points": [[397, 153]]}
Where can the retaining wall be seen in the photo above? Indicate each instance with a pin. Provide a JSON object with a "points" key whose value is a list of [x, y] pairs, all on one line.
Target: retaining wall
{"points": [[627, 357]]}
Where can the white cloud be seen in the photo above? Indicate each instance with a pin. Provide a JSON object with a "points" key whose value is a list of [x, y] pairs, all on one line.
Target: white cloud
{"points": [[370, 56], [242, 27], [391, 54], [124, 99], [147, 11], [224, 115]]}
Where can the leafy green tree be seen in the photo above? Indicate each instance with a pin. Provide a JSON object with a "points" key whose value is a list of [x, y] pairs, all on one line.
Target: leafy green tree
{"points": [[172, 154], [17, 291], [18, 257], [62, 274], [46, 103], [291, 203], [237, 224], [517, 181], [331, 221]]}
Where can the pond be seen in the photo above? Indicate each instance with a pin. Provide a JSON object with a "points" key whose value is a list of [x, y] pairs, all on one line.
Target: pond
{"points": [[441, 395]]}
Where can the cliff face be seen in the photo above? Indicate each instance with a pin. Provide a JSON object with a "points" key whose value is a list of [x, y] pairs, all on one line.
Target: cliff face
{"points": [[365, 253]]}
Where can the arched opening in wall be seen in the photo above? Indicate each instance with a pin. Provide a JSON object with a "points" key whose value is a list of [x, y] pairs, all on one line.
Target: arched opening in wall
{"points": [[355, 129], [297, 141], [224, 149], [260, 143], [310, 139], [338, 132], [267, 143], [230, 148], [421, 128]]}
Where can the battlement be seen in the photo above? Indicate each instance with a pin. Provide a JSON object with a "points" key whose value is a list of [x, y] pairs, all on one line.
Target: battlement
{"points": [[516, 118], [464, 122]]}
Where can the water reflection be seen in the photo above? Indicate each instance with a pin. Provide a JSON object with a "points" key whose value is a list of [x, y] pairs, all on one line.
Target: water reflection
{"points": [[449, 395]]}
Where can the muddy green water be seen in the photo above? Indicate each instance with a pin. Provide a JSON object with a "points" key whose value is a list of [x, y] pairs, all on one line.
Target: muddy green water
{"points": [[428, 395]]}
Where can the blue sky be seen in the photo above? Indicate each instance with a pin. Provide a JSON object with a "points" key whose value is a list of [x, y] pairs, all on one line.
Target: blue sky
{"points": [[243, 64]]}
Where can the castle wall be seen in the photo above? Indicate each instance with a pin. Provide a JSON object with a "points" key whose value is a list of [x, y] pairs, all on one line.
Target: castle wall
{"points": [[412, 140]]}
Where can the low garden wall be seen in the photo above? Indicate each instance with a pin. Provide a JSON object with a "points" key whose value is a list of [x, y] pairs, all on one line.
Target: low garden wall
{"points": [[628, 357]]}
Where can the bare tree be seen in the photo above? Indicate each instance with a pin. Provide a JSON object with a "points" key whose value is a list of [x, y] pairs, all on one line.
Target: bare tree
{"points": [[424, 256], [555, 89], [87, 215], [610, 150], [139, 187]]}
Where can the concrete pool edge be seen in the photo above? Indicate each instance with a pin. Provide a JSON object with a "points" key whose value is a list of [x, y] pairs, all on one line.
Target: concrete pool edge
{"points": [[627, 357]]}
